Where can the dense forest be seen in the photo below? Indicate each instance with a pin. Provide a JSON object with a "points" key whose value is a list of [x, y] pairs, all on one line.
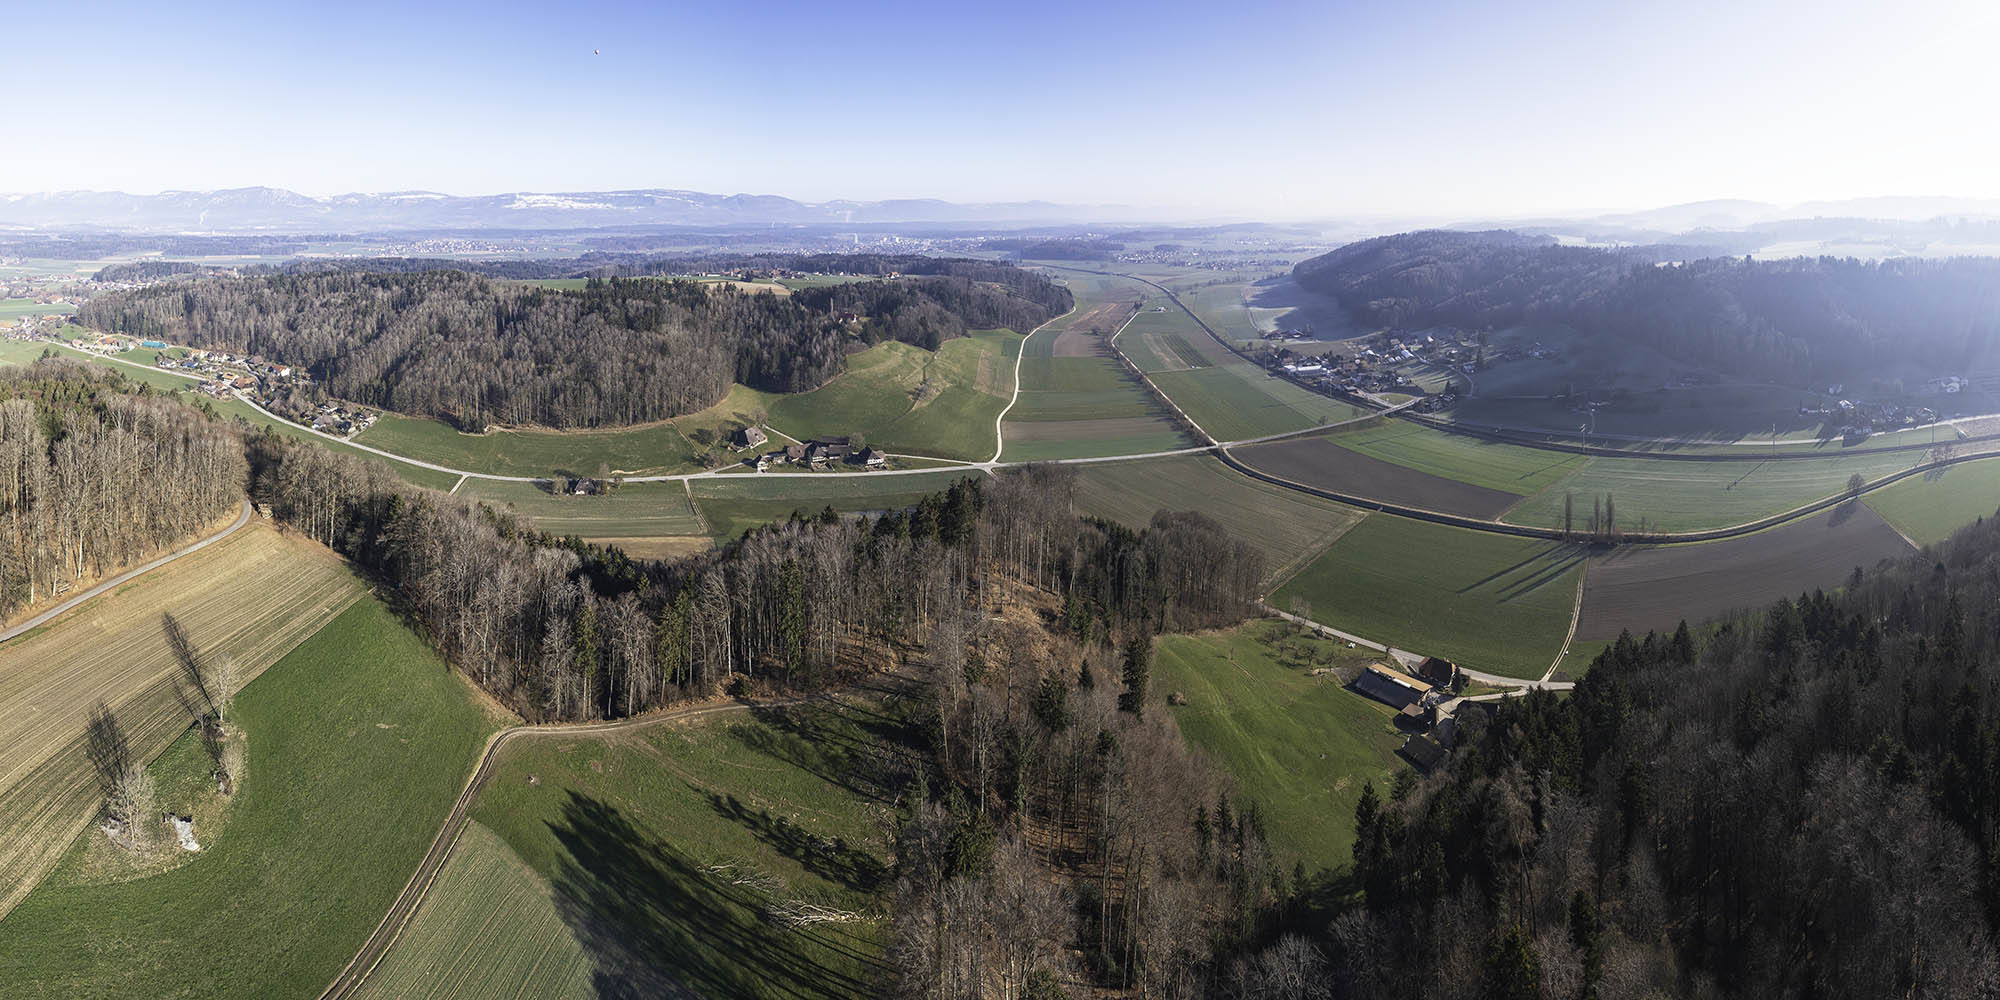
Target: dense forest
{"points": [[97, 474], [1798, 320], [475, 352], [1799, 803]]}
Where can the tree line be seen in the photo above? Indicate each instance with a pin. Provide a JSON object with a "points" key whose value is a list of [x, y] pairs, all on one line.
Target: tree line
{"points": [[1807, 319], [1803, 802], [474, 352], [562, 630], [97, 473]]}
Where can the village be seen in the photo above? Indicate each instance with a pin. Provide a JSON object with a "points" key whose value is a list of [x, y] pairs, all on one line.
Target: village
{"points": [[1384, 363]]}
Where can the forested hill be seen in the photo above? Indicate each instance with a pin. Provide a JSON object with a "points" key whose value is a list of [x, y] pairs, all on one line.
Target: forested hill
{"points": [[473, 351], [1805, 804], [1795, 320]]}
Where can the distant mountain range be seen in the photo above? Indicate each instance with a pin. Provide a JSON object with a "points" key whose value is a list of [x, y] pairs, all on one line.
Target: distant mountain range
{"points": [[274, 210]]}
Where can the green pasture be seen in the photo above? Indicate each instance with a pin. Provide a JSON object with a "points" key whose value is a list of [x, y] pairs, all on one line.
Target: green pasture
{"points": [[358, 742], [1287, 527], [1493, 603], [1299, 746]]}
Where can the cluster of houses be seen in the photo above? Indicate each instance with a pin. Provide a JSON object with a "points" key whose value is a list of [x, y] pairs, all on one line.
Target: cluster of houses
{"points": [[1381, 363], [335, 418], [1422, 705], [817, 455]]}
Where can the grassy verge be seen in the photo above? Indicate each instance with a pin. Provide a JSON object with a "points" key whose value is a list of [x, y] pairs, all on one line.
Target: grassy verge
{"points": [[359, 741], [1299, 746], [1491, 602]]}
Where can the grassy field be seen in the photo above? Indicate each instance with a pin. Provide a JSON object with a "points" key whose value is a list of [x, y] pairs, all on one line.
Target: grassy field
{"points": [[1928, 508], [1167, 341], [17, 308], [1683, 496], [359, 741], [661, 448], [1299, 746], [906, 399], [1290, 528], [733, 505], [1491, 602], [631, 510], [1239, 401], [1505, 467], [489, 928], [656, 855], [250, 597]]}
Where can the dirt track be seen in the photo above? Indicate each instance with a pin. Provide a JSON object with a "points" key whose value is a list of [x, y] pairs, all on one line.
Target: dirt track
{"points": [[1655, 587], [1321, 463]]}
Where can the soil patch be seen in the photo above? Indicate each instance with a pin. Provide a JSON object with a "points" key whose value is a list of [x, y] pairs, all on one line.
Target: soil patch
{"points": [[1645, 588], [1319, 462]]}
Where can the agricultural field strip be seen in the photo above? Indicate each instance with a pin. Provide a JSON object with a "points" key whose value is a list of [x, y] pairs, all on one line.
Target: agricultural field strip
{"points": [[253, 615], [1529, 531], [398, 917], [1000, 437]]}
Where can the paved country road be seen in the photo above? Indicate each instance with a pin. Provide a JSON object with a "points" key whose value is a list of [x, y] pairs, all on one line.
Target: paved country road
{"points": [[242, 518]]}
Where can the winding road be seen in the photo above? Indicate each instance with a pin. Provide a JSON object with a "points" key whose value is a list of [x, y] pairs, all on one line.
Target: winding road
{"points": [[242, 518]]}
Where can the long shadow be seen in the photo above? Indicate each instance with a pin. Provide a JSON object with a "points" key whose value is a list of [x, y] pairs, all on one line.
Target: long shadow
{"points": [[832, 860], [857, 759], [1552, 552], [657, 924]]}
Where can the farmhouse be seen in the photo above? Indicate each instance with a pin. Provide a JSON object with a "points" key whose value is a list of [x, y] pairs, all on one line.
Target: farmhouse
{"points": [[1391, 687], [819, 454], [752, 437], [874, 458], [1438, 671]]}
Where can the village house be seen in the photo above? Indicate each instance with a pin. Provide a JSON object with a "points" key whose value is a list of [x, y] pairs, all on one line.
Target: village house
{"points": [[751, 437], [874, 458]]}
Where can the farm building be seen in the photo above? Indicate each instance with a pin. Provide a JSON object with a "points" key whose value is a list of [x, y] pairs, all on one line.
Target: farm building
{"points": [[1423, 753], [1438, 671], [1390, 686], [153, 343], [874, 458], [752, 437]]}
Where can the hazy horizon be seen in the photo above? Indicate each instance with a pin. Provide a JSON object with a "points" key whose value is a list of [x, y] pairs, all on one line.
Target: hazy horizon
{"points": [[1281, 110]]}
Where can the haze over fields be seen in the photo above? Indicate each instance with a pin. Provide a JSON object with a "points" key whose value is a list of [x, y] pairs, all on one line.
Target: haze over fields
{"points": [[1044, 502]]}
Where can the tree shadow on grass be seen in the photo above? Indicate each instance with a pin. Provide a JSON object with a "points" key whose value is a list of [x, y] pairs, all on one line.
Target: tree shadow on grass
{"points": [[831, 859], [658, 924]]}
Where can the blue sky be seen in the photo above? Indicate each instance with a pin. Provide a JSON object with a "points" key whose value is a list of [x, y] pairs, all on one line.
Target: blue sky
{"points": [[1272, 109]]}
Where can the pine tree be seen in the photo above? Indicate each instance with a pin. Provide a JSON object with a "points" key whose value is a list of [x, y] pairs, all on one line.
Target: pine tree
{"points": [[1511, 970], [1138, 664]]}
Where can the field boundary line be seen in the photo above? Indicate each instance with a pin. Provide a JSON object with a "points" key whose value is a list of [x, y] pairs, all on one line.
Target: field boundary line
{"points": [[1021, 351], [417, 889], [1575, 615]]}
